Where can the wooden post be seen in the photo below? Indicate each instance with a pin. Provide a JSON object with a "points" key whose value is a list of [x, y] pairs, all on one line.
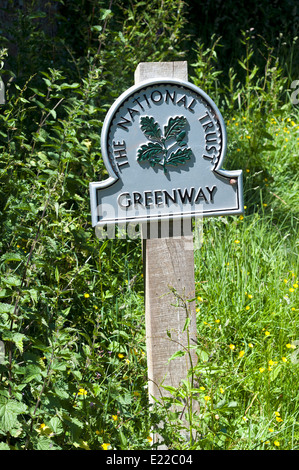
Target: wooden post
{"points": [[168, 263]]}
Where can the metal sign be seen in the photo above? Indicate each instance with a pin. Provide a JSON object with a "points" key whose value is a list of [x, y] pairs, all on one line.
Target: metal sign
{"points": [[163, 144]]}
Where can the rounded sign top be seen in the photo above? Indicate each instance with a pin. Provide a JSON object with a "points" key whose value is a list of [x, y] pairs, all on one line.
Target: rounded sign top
{"points": [[168, 123]]}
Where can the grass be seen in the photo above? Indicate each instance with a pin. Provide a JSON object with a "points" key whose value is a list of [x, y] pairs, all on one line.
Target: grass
{"points": [[247, 319]]}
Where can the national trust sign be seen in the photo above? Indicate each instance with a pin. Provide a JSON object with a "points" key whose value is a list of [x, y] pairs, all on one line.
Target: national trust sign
{"points": [[163, 144]]}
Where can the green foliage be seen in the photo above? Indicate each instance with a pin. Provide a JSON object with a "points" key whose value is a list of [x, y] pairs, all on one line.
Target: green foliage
{"points": [[71, 307]]}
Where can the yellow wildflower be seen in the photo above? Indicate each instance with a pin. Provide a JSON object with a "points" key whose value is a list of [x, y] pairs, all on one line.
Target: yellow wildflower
{"points": [[207, 398], [232, 346], [86, 295], [105, 446], [261, 369], [241, 353], [277, 443]]}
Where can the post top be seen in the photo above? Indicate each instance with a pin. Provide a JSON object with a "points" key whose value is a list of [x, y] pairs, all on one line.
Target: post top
{"points": [[149, 70]]}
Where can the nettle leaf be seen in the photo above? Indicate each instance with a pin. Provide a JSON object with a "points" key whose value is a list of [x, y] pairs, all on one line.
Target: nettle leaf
{"points": [[9, 411], [6, 308], [175, 126], [150, 127], [7, 257], [12, 280], [16, 338], [152, 152], [179, 156]]}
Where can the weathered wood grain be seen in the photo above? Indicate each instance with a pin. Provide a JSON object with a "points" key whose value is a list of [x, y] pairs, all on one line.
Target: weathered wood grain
{"points": [[168, 265]]}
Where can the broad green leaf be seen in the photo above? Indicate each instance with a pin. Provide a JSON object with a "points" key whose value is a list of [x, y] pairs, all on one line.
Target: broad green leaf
{"points": [[32, 372], [9, 411], [104, 13], [169, 388], [7, 257], [123, 439], [177, 354], [2, 293], [125, 399], [56, 425], [187, 323], [75, 426], [232, 404], [65, 86], [12, 280], [6, 308], [16, 338], [46, 443], [53, 113], [202, 355], [97, 28], [275, 372], [4, 446]]}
